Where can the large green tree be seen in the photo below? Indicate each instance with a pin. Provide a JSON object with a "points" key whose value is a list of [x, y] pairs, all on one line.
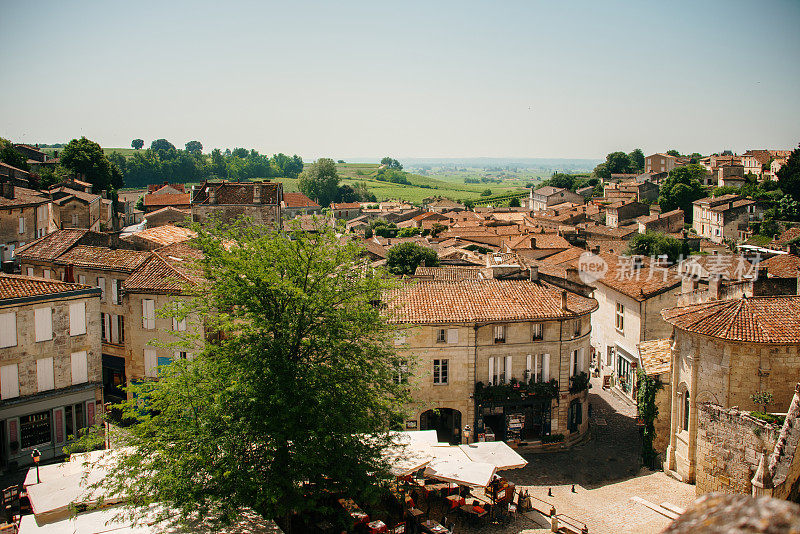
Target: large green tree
{"points": [[789, 175], [320, 182], [85, 157], [636, 158], [194, 147], [136, 144], [294, 400], [682, 187], [10, 156], [403, 259]]}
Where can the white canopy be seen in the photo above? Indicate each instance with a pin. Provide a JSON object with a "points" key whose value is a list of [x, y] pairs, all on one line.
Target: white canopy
{"points": [[463, 472], [497, 453]]}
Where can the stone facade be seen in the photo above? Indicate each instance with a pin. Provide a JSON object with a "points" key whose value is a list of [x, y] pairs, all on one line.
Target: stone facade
{"points": [[25, 216], [726, 373], [71, 401], [76, 213], [225, 201]]}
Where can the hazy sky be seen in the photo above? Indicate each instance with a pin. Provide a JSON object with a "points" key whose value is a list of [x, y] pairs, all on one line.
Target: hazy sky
{"points": [[350, 79]]}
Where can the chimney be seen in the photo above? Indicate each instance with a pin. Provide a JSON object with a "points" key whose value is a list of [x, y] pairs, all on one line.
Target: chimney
{"points": [[573, 276], [104, 194], [533, 272], [714, 286], [564, 300], [8, 190], [688, 283], [762, 273], [212, 194], [69, 274], [256, 193]]}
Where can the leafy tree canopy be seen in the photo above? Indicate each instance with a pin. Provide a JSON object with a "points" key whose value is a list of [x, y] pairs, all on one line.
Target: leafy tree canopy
{"points": [[10, 156], [194, 147], [161, 144], [682, 187], [304, 370], [392, 163], [789, 175], [137, 144], [320, 182], [673, 152], [636, 158], [656, 244], [403, 259], [85, 157]]}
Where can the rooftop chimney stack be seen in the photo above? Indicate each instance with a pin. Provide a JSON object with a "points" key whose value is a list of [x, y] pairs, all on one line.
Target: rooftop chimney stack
{"points": [[212, 194], [564, 300], [534, 273], [714, 286], [256, 193], [8, 190]]}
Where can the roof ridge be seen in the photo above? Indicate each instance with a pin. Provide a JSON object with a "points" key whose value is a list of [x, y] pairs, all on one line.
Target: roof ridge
{"points": [[734, 316], [165, 262]]}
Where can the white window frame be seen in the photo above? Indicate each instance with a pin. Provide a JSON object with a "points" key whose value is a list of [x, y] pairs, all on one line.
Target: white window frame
{"points": [[101, 283], [22, 225], [82, 279], [179, 325], [441, 335], [619, 317], [537, 331], [80, 367], [29, 271], [499, 333], [8, 329], [43, 323], [441, 371], [148, 314], [77, 318]]}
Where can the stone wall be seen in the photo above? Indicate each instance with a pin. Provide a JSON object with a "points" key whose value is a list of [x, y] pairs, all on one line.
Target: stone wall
{"points": [[662, 421], [729, 446], [262, 214]]}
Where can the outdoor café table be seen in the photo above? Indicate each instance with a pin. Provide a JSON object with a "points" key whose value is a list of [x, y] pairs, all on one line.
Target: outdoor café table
{"points": [[429, 525], [415, 512], [355, 512], [456, 501], [377, 527], [467, 509], [399, 528]]}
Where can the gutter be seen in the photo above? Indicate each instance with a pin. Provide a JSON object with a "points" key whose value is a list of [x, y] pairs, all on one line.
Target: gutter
{"points": [[88, 292]]}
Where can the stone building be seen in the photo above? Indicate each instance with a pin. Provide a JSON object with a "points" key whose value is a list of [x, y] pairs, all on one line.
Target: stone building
{"points": [[723, 352], [166, 195], [544, 197], [25, 214], [468, 338], [76, 209], [346, 210], [229, 201], [669, 222], [724, 217], [50, 368], [655, 361], [295, 204]]}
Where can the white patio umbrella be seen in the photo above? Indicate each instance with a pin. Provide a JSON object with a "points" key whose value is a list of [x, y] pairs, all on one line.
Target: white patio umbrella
{"points": [[497, 453]]}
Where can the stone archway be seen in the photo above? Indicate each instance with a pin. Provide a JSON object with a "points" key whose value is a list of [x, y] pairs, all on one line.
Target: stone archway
{"points": [[445, 421]]}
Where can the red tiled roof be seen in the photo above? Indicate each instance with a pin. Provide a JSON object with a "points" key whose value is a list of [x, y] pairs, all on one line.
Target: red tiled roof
{"points": [[238, 193], [298, 200], [449, 273], [167, 234], [782, 265], [470, 301], [638, 283], [51, 246], [167, 199], [788, 235], [17, 169], [171, 270], [24, 197], [14, 286], [655, 356], [103, 258], [63, 193], [346, 206], [753, 320]]}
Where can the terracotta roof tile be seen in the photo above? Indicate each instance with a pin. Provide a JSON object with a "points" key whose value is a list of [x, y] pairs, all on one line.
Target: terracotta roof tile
{"points": [[655, 356], [238, 193], [449, 273], [346, 206], [167, 234], [14, 286], [167, 199], [468, 301], [51, 246], [788, 235], [774, 319], [782, 265], [24, 197], [103, 258], [298, 200], [638, 283], [168, 270]]}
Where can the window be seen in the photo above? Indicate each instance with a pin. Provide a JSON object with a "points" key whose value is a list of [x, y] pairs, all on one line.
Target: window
{"points": [[29, 271], [620, 317], [148, 314], [113, 328], [44, 374], [493, 371], [575, 364], [46, 273], [22, 225], [402, 372], [500, 334], [116, 290], [400, 339], [80, 371], [536, 366], [452, 335], [43, 323], [440, 371], [577, 327], [74, 220], [150, 363], [34, 429], [178, 325], [538, 331], [9, 381], [8, 329], [164, 360], [77, 318], [82, 279], [101, 283], [686, 410], [441, 335]]}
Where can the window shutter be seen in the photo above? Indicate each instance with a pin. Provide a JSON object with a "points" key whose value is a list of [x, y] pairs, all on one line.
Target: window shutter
{"points": [[491, 370], [80, 372], [46, 274], [150, 362], [29, 270], [90, 413], [44, 374], [58, 422], [43, 323], [508, 368], [528, 366], [77, 318], [572, 363], [452, 335], [114, 328], [546, 368], [9, 381], [8, 329], [581, 361], [144, 314], [107, 327], [13, 426], [82, 279], [114, 291], [101, 283], [22, 225]]}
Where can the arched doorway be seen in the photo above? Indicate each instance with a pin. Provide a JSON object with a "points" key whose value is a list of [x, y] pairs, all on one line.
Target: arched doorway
{"points": [[445, 421]]}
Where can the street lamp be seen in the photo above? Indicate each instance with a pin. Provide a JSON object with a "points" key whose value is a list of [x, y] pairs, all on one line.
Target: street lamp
{"points": [[35, 454]]}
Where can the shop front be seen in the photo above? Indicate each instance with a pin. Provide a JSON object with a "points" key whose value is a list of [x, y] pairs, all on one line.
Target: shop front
{"points": [[517, 422], [625, 370]]}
